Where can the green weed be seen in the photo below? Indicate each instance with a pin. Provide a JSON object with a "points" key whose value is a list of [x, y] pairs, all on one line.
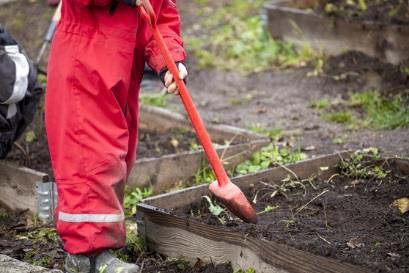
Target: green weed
{"points": [[133, 198], [273, 133], [338, 140], [367, 109], [235, 38], [342, 117], [362, 166], [41, 234], [380, 112], [268, 157], [405, 70], [216, 210], [241, 100], [158, 100], [3, 215], [320, 104], [45, 261], [268, 209], [249, 270]]}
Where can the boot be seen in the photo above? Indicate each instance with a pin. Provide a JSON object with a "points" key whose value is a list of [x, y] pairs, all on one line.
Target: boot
{"points": [[102, 263]]}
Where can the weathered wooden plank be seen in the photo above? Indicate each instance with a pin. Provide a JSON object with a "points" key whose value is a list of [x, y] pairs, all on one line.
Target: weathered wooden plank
{"points": [[336, 35], [18, 186], [303, 169], [207, 250], [161, 120], [191, 240], [164, 172]]}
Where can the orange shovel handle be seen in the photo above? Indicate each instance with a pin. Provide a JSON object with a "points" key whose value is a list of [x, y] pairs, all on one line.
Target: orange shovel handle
{"points": [[201, 132]]}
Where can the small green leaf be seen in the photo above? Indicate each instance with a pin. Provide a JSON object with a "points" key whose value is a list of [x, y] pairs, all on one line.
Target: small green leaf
{"points": [[30, 136]]}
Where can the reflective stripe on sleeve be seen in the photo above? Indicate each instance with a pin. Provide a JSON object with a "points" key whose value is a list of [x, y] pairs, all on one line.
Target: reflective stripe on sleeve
{"points": [[22, 71], [91, 218]]}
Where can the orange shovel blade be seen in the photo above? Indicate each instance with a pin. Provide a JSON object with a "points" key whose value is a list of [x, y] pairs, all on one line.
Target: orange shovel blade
{"points": [[235, 201]]}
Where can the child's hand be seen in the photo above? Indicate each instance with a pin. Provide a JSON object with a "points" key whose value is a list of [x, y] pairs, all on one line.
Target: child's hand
{"points": [[170, 83]]}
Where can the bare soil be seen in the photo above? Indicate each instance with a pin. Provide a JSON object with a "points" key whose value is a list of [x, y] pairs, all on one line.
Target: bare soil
{"points": [[384, 12], [345, 218], [159, 144], [280, 99], [19, 238], [35, 155]]}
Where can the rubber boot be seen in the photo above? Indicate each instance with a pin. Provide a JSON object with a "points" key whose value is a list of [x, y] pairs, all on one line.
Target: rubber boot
{"points": [[103, 263]]}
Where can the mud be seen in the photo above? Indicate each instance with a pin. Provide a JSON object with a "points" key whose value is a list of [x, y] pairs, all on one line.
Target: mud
{"points": [[348, 219]]}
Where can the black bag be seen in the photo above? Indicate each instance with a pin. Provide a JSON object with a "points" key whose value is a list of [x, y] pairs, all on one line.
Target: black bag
{"points": [[19, 91]]}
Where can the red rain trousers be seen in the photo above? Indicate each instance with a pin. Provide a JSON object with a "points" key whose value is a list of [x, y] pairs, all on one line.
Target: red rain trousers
{"points": [[95, 69]]}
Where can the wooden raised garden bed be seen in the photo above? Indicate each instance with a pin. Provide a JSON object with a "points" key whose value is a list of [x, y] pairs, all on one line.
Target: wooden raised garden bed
{"points": [[176, 225], [18, 187], [162, 173], [389, 42], [19, 184]]}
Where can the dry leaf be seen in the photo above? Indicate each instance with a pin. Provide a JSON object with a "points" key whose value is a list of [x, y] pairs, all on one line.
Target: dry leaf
{"points": [[174, 142], [354, 243], [402, 204], [393, 255]]}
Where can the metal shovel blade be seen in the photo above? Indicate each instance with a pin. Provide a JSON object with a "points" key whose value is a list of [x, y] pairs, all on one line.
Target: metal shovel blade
{"points": [[235, 201]]}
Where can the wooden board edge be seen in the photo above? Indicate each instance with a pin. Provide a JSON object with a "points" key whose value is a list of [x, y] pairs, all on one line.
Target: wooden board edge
{"points": [[162, 173], [345, 34], [165, 119], [170, 235], [308, 167], [19, 186]]}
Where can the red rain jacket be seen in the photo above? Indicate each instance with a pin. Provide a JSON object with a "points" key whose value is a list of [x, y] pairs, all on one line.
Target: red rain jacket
{"points": [[95, 69]]}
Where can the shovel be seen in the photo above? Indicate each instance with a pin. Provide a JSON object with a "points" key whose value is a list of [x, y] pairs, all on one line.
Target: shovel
{"points": [[224, 190], [49, 36]]}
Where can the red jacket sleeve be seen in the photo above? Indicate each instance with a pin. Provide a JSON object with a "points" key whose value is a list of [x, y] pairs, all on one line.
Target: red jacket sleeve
{"points": [[169, 26], [94, 2]]}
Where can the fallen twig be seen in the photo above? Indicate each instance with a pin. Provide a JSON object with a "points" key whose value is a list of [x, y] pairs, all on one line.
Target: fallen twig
{"points": [[309, 202]]}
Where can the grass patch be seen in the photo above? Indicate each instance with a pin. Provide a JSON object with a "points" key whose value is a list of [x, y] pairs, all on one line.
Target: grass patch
{"points": [[367, 109], [342, 117], [273, 133], [158, 100], [320, 104], [234, 37], [380, 112]]}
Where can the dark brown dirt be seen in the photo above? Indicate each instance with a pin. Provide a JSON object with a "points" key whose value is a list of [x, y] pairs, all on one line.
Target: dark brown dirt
{"points": [[22, 240], [359, 69], [39, 245], [171, 142], [157, 265], [384, 12], [35, 154], [348, 218]]}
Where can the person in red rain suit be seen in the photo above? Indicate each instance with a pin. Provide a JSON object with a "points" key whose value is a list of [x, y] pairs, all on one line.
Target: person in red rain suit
{"points": [[95, 68]]}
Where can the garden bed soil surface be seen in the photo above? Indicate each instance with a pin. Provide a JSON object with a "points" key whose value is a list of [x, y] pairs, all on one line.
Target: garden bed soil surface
{"points": [[39, 245], [344, 218], [36, 154], [384, 12]]}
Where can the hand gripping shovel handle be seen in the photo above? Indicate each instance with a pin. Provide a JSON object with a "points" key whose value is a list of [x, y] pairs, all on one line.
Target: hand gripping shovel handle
{"points": [[201, 132]]}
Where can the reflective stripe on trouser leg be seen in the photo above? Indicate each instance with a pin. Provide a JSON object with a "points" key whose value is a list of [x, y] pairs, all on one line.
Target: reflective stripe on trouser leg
{"points": [[90, 218]]}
